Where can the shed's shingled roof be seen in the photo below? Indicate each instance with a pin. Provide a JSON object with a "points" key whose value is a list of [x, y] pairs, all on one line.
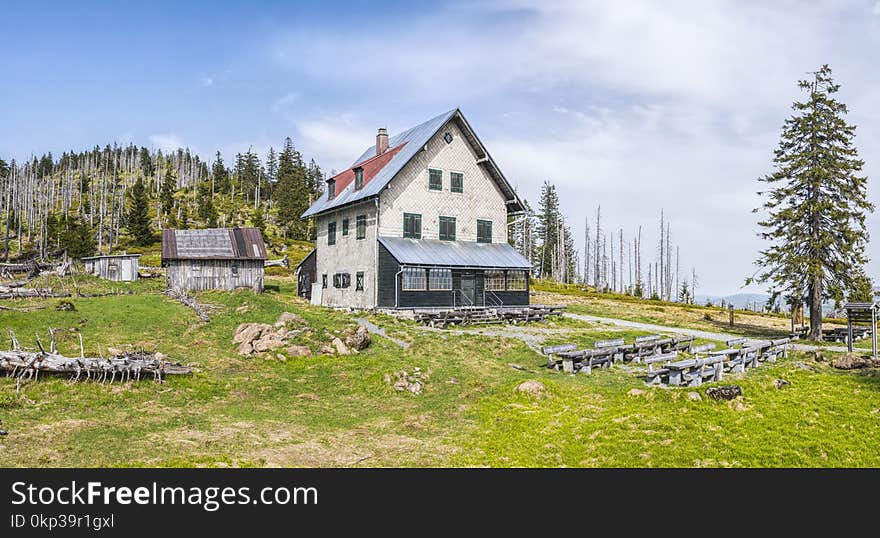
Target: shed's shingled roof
{"points": [[405, 146], [213, 244]]}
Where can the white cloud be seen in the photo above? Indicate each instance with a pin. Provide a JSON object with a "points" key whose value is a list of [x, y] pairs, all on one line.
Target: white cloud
{"points": [[636, 105], [166, 142]]}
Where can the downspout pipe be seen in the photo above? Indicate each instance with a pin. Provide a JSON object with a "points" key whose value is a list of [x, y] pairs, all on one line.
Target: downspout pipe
{"points": [[397, 287]]}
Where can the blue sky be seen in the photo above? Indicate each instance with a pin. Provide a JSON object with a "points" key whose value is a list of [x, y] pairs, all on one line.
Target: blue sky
{"points": [[636, 105]]}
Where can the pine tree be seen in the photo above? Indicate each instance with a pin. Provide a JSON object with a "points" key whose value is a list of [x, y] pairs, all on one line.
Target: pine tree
{"points": [[169, 186], [78, 238], [220, 175], [548, 228], [183, 221], [816, 204], [258, 221], [292, 192], [137, 219], [206, 210]]}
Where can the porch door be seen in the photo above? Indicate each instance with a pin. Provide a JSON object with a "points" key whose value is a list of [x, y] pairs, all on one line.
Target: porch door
{"points": [[468, 288]]}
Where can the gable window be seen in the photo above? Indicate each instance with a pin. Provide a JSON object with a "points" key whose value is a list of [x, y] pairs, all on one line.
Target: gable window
{"points": [[344, 226], [484, 231], [435, 180], [456, 182], [331, 233], [516, 280], [331, 189], [359, 281], [358, 178], [413, 279], [440, 279], [361, 224], [412, 225], [494, 280], [324, 281], [448, 138], [234, 270], [447, 228]]}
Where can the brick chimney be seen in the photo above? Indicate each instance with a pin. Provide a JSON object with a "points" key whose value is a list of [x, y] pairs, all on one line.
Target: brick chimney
{"points": [[381, 141]]}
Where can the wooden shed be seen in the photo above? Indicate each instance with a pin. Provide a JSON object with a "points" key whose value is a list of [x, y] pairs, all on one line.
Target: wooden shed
{"points": [[116, 267], [214, 259]]}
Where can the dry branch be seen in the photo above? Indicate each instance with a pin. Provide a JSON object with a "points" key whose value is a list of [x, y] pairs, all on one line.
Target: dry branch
{"points": [[25, 365]]}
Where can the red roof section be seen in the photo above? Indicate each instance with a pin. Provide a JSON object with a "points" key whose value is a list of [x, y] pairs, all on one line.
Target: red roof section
{"points": [[371, 166]]}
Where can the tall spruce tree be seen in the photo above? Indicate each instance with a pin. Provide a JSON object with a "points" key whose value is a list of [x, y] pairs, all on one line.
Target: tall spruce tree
{"points": [[169, 186], [291, 192], [816, 203], [137, 218], [548, 229], [205, 205]]}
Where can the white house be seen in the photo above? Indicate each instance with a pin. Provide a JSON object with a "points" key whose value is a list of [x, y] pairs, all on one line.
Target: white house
{"points": [[418, 220]]}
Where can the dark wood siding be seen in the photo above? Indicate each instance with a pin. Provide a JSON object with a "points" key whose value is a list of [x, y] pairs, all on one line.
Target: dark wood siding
{"points": [[388, 282], [306, 274], [388, 268]]}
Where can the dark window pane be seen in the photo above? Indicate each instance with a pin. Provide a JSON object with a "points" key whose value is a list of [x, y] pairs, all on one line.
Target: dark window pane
{"points": [[447, 228], [344, 226], [358, 179], [412, 225], [361, 226], [484, 231], [456, 182], [435, 180], [331, 189], [331, 233], [359, 281]]}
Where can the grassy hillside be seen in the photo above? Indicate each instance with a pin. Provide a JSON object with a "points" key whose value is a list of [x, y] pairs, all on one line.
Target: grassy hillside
{"points": [[329, 410]]}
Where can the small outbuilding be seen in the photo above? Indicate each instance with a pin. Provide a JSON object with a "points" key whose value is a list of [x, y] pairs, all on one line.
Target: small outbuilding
{"points": [[116, 267], [214, 259]]}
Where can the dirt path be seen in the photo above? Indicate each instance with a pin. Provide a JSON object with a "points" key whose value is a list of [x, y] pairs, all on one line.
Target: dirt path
{"points": [[696, 333]]}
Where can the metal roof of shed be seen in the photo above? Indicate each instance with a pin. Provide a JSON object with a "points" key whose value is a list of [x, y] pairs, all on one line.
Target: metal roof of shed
{"points": [[414, 139], [213, 244], [454, 253]]}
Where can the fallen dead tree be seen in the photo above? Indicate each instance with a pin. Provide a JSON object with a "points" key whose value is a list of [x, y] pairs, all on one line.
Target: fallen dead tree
{"points": [[190, 301], [283, 262], [7, 292], [136, 365]]}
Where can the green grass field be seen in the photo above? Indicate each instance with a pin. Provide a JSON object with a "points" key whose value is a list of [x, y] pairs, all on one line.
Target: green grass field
{"points": [[341, 411]]}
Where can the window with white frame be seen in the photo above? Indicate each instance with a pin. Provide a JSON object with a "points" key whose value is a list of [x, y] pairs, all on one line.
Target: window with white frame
{"points": [[440, 279], [494, 280], [517, 280], [413, 279]]}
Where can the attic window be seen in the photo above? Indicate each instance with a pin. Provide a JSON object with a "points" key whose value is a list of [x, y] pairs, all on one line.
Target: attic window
{"points": [[448, 138], [331, 189], [256, 250], [358, 178]]}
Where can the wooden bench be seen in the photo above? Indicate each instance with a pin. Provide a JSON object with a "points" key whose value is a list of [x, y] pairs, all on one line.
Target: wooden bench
{"points": [[655, 376], [681, 343], [692, 372], [584, 360], [551, 351]]}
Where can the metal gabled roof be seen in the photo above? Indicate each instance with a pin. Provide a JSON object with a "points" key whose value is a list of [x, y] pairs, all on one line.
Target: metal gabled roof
{"points": [[412, 140], [213, 244], [454, 253]]}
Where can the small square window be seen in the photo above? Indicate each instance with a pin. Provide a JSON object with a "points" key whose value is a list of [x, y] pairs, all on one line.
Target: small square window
{"points": [[359, 281], [447, 228], [484, 231], [456, 182], [344, 226], [435, 180], [448, 138], [412, 225]]}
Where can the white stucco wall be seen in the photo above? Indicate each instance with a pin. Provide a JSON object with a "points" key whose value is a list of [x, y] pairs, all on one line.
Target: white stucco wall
{"points": [[409, 193], [348, 255]]}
